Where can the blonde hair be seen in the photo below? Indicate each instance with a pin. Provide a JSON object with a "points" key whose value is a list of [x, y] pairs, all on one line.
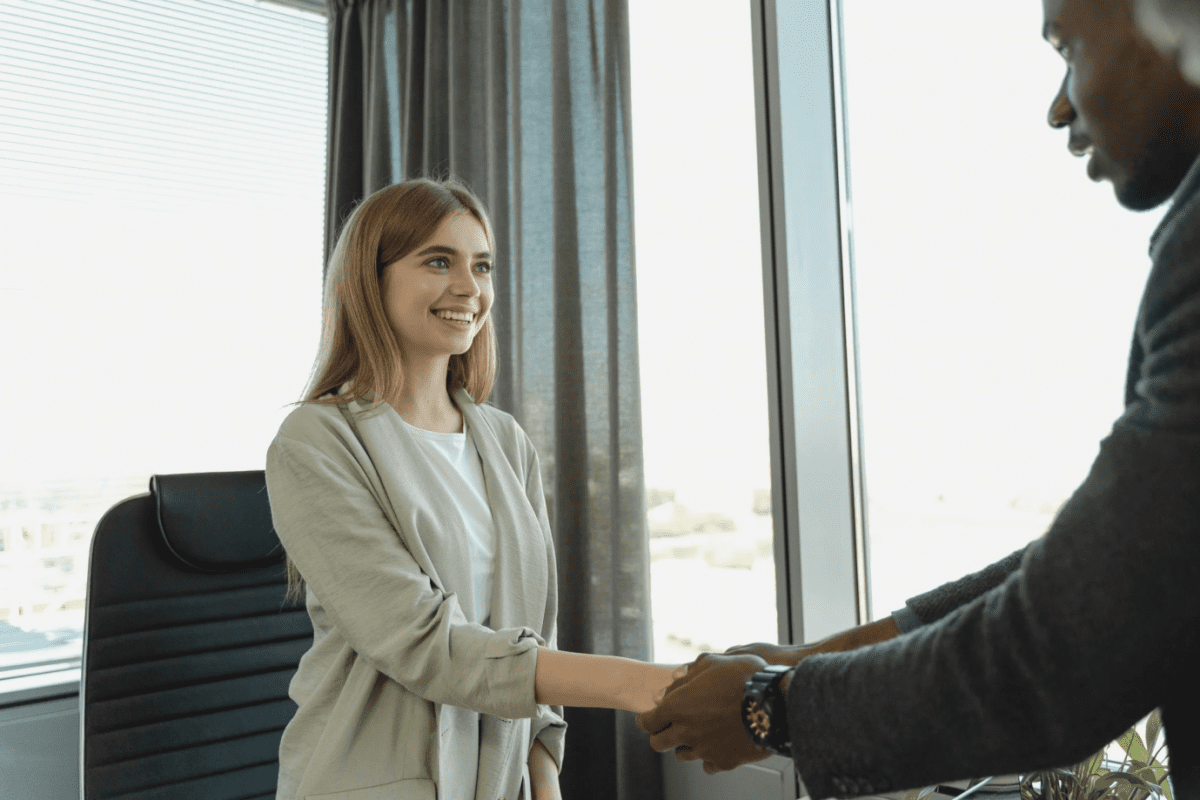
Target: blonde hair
{"points": [[357, 341]]}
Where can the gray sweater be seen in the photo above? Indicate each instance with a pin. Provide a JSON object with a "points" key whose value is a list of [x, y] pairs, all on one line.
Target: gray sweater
{"points": [[1041, 659]]}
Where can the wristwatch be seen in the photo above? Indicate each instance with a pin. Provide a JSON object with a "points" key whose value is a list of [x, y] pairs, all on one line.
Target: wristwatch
{"points": [[764, 710]]}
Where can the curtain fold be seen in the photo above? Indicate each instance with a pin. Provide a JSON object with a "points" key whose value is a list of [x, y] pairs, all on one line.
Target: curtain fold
{"points": [[528, 103]]}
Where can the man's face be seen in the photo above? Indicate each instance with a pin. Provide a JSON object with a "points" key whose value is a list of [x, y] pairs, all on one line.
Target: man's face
{"points": [[1125, 105]]}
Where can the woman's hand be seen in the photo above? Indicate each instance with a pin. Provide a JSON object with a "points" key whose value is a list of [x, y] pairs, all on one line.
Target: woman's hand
{"points": [[647, 690]]}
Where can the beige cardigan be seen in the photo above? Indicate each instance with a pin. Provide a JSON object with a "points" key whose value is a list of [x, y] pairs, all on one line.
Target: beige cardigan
{"points": [[402, 693]]}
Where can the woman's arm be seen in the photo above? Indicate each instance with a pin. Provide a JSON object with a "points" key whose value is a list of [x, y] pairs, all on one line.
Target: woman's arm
{"points": [[577, 679], [543, 773]]}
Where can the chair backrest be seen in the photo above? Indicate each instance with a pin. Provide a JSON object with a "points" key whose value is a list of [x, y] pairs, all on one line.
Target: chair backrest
{"points": [[188, 643]]}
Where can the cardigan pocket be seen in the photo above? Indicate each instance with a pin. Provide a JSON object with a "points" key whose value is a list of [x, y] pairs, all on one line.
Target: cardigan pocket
{"points": [[409, 789]]}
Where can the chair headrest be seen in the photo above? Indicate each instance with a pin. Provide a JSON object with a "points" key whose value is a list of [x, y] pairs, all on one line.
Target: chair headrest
{"points": [[217, 521]]}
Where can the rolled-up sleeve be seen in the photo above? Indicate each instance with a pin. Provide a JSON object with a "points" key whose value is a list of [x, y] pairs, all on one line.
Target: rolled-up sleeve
{"points": [[389, 611], [549, 725]]}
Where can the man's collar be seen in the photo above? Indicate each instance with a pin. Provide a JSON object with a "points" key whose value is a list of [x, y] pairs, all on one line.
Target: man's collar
{"points": [[1185, 197]]}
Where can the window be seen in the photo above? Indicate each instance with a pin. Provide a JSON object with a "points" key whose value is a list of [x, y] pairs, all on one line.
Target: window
{"points": [[161, 189], [700, 329]]}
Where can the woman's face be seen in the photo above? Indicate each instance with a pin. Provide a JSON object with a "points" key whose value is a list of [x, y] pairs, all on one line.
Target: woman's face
{"points": [[438, 296]]}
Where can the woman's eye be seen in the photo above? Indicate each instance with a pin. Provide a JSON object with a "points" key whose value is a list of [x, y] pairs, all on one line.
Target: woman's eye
{"points": [[484, 266], [440, 263]]}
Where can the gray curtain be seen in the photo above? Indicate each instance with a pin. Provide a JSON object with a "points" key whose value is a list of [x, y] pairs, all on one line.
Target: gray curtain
{"points": [[528, 103]]}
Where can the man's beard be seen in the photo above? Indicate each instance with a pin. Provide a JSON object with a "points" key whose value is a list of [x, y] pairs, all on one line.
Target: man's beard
{"points": [[1156, 176]]}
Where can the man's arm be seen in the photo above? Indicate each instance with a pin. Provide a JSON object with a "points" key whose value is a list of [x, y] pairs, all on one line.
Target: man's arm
{"points": [[851, 639], [921, 610], [704, 712], [1009, 682]]}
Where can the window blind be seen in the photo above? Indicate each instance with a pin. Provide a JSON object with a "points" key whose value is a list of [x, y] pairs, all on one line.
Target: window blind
{"points": [[162, 171], [153, 99]]}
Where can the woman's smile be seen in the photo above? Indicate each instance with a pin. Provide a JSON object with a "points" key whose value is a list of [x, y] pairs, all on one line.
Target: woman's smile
{"points": [[462, 320]]}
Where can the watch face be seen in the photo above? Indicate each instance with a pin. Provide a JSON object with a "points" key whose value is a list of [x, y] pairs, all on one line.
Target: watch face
{"points": [[759, 719], [772, 706], [764, 712], [777, 736]]}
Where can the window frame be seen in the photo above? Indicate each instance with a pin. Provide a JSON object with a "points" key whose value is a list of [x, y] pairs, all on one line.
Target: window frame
{"points": [[811, 343], [817, 483]]}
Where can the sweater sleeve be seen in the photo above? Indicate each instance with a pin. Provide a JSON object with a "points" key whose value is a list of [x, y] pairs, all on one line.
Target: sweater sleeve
{"points": [[549, 724], [386, 607], [937, 603]]}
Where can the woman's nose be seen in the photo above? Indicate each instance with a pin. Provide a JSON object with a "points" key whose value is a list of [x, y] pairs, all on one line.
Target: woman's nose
{"points": [[465, 283]]}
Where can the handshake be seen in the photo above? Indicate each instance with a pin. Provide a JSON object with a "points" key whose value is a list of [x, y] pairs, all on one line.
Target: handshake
{"points": [[697, 707]]}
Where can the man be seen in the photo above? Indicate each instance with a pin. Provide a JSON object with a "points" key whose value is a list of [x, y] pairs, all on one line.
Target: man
{"points": [[1043, 658]]}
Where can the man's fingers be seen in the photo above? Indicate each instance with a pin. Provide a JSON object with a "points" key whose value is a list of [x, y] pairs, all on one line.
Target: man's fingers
{"points": [[685, 753], [664, 734], [667, 739], [652, 721], [679, 681]]}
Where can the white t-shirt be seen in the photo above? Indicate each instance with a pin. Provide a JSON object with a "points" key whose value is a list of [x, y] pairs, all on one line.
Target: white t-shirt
{"points": [[454, 456]]}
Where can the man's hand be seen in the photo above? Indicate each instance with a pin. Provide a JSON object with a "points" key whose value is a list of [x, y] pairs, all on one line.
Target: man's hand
{"points": [[792, 654], [701, 714], [788, 655]]}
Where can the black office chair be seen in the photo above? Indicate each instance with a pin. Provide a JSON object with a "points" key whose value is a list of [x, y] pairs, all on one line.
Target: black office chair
{"points": [[188, 644]]}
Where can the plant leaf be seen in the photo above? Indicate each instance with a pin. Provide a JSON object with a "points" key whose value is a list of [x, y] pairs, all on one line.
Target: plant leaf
{"points": [[1088, 789], [1148, 774], [1090, 766], [1133, 746], [1125, 778], [917, 794], [1153, 727]]}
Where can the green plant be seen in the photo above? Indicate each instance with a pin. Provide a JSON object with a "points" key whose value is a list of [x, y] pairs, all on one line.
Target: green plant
{"points": [[1140, 776]]}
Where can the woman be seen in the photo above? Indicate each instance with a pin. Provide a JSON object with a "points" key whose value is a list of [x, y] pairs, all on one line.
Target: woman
{"points": [[416, 517]]}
